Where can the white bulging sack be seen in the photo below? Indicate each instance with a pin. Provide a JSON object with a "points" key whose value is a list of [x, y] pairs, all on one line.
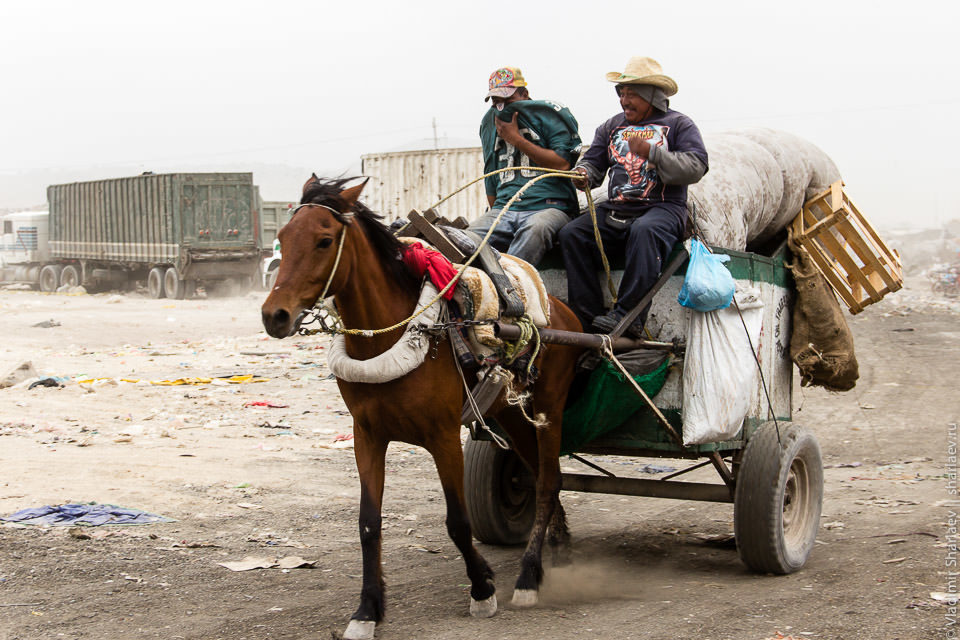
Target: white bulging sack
{"points": [[720, 375]]}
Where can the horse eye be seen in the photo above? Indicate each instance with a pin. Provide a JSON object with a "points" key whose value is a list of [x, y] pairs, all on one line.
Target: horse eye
{"points": [[323, 244]]}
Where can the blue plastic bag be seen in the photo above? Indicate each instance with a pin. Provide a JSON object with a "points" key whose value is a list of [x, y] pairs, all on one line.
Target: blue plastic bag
{"points": [[708, 285]]}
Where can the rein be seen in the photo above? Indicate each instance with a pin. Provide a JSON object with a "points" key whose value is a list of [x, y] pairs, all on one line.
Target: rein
{"points": [[550, 173]]}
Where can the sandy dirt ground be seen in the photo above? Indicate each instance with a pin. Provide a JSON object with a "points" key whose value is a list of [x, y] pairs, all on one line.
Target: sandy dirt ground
{"points": [[246, 481]]}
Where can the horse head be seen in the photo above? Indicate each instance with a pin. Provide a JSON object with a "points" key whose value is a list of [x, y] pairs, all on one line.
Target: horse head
{"points": [[310, 244]]}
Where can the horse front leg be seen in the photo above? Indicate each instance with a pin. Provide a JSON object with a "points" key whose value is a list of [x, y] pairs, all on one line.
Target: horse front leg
{"points": [[370, 454], [449, 460], [525, 592]]}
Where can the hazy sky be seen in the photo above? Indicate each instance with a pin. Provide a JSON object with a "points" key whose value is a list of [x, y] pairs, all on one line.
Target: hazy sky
{"points": [[315, 84]]}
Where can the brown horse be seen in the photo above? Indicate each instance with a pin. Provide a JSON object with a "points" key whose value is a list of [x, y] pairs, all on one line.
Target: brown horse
{"points": [[373, 289]]}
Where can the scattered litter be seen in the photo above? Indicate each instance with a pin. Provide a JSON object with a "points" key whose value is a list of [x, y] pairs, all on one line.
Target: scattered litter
{"points": [[269, 404], [340, 441], [949, 598], [843, 465], [655, 468], [833, 525], [897, 541], [295, 562], [45, 382], [250, 562], [90, 515], [719, 539], [238, 379], [46, 324], [249, 505], [895, 560], [78, 533]]}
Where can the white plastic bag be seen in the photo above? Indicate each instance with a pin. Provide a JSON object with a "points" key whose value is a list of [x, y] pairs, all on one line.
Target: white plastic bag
{"points": [[720, 374]]}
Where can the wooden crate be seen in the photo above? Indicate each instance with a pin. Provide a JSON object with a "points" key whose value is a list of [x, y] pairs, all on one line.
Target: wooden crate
{"points": [[842, 243]]}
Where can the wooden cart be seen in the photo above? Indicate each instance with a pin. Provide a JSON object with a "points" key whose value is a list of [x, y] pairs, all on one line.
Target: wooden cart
{"points": [[771, 471]]}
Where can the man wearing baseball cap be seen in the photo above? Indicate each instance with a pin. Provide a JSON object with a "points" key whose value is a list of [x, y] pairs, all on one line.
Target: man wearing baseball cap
{"points": [[650, 153], [516, 132]]}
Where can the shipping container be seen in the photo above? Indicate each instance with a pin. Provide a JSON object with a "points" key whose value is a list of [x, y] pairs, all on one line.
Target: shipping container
{"points": [[176, 231], [405, 180], [273, 215]]}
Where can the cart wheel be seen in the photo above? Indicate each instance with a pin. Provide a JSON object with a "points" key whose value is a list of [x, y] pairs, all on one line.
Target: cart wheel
{"points": [[50, 278], [155, 282], [70, 276], [173, 286], [776, 507], [501, 499]]}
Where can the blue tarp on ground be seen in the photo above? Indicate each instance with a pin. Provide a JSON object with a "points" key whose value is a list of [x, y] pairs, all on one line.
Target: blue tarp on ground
{"points": [[90, 515]]}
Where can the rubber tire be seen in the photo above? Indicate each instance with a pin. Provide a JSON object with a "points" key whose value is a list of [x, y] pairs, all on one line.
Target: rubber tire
{"points": [[155, 283], [70, 276], [174, 286], [272, 279], [49, 278], [778, 498], [500, 509]]}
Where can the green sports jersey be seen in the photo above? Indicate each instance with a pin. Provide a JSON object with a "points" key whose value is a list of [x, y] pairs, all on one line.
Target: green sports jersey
{"points": [[547, 124]]}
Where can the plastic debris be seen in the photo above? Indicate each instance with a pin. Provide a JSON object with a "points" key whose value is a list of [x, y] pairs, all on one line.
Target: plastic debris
{"points": [[949, 598], [46, 324], [269, 404], [240, 379], [45, 382]]}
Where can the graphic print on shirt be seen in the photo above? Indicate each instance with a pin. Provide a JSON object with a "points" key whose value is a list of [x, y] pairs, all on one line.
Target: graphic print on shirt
{"points": [[633, 177], [510, 156]]}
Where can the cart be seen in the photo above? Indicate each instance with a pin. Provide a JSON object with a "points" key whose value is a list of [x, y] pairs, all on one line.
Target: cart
{"points": [[771, 471]]}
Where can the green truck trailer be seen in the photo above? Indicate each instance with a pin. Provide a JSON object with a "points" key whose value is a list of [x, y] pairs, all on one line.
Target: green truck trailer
{"points": [[174, 231]]}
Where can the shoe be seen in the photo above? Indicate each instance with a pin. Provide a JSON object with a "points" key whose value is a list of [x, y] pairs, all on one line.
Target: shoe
{"points": [[608, 322]]}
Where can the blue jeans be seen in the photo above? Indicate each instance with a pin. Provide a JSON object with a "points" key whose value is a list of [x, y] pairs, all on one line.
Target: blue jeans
{"points": [[524, 234]]}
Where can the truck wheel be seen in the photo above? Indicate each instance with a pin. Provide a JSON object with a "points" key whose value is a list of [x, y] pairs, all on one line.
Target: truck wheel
{"points": [[69, 276], [779, 493], [155, 283], [500, 494], [173, 286], [272, 279], [50, 278]]}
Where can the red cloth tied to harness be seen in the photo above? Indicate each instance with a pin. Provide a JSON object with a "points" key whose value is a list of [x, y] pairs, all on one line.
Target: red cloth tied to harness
{"points": [[421, 260]]}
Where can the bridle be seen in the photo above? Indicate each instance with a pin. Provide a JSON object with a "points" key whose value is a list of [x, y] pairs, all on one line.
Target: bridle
{"points": [[342, 218]]}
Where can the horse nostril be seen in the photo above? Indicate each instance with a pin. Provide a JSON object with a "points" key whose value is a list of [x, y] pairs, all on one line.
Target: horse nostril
{"points": [[281, 317]]}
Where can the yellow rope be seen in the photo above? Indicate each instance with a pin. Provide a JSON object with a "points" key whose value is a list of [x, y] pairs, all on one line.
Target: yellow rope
{"points": [[551, 173]]}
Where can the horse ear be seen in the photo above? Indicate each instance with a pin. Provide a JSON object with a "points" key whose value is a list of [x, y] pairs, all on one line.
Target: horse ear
{"points": [[351, 195], [313, 178]]}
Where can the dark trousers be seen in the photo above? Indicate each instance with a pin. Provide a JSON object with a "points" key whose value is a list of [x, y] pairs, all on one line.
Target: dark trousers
{"points": [[647, 243]]}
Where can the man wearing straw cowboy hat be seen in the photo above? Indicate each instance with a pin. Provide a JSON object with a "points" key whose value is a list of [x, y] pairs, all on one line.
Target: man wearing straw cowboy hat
{"points": [[518, 131], [651, 154]]}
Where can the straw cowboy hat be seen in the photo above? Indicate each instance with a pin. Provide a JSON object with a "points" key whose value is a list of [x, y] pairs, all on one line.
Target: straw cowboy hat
{"points": [[644, 70]]}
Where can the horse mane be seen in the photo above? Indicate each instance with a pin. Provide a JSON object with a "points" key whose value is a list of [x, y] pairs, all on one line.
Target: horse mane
{"points": [[386, 245]]}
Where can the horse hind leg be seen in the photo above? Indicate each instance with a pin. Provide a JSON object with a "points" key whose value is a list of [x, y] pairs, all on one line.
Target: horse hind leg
{"points": [[449, 460], [525, 593], [558, 537]]}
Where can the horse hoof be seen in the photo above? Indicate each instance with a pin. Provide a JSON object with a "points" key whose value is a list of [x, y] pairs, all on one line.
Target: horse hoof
{"points": [[360, 630], [483, 608], [524, 598]]}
